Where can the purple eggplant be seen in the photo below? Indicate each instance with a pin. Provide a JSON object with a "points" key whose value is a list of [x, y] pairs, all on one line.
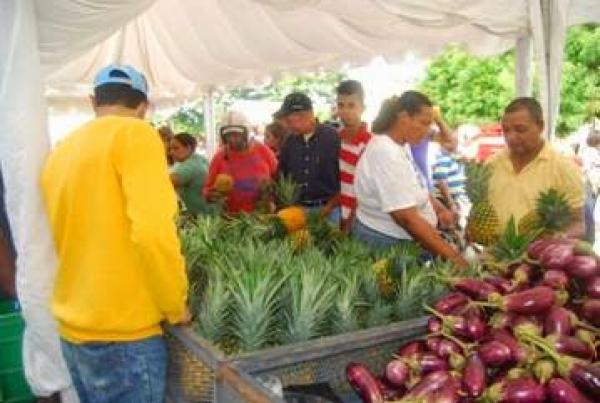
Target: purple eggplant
{"points": [[501, 319], [448, 393], [571, 346], [495, 354], [533, 301], [434, 325], [519, 353], [556, 279], [582, 267], [587, 379], [590, 310], [557, 258], [560, 391], [448, 303], [390, 392], [429, 384], [363, 383], [397, 372], [592, 287], [478, 290], [558, 321], [503, 285], [412, 347], [433, 343], [424, 363], [528, 324], [474, 376], [536, 248], [516, 391], [476, 325], [448, 347]]}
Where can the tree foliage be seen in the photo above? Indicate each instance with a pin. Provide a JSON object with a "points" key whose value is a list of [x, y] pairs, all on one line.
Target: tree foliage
{"points": [[468, 88], [472, 89]]}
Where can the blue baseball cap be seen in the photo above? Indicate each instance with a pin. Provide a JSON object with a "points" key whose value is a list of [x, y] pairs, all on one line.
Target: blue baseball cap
{"points": [[122, 74]]}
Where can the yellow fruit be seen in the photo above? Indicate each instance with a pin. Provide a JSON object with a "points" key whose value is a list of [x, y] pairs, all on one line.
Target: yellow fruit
{"points": [[528, 223], [483, 224], [381, 268], [224, 183], [293, 218], [300, 239]]}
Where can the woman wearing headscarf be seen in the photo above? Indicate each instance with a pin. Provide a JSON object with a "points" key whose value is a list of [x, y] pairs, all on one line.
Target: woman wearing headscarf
{"points": [[394, 205]]}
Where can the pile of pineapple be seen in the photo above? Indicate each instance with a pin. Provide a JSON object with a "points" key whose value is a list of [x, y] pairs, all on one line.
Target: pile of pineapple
{"points": [[252, 290]]}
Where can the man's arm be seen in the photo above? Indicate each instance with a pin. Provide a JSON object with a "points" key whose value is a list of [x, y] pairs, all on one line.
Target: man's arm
{"points": [[445, 133]]}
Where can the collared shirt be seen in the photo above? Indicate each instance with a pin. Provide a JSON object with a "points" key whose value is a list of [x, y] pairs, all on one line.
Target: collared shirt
{"points": [[515, 193], [313, 164], [350, 152]]}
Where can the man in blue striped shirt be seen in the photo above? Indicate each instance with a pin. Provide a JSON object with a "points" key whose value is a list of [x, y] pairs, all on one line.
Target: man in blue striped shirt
{"points": [[448, 176]]}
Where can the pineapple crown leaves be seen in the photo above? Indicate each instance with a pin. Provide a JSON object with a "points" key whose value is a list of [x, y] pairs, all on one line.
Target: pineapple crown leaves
{"points": [[553, 210], [310, 298], [476, 181], [511, 245], [286, 191]]}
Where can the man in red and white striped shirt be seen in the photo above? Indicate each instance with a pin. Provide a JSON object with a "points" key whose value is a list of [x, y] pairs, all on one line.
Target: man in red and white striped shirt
{"points": [[355, 136]]}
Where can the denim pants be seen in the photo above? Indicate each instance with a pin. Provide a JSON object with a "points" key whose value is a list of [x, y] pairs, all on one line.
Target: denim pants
{"points": [[118, 372], [374, 238]]}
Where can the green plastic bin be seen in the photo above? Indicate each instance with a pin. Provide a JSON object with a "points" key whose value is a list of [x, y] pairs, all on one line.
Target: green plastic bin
{"points": [[13, 387]]}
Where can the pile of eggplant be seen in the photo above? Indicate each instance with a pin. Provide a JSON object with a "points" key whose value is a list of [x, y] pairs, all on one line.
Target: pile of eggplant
{"points": [[527, 333]]}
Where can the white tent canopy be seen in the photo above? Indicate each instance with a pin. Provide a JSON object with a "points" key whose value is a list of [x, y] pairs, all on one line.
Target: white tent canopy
{"points": [[188, 47]]}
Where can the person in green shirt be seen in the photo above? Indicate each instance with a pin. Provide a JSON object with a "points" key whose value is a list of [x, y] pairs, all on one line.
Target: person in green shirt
{"points": [[188, 173]]}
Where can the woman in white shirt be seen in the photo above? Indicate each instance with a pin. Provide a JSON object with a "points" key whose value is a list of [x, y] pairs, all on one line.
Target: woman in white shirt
{"points": [[394, 205]]}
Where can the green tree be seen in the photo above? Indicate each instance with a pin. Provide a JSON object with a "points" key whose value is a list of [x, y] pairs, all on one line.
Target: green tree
{"points": [[472, 89], [469, 88], [189, 120], [319, 86]]}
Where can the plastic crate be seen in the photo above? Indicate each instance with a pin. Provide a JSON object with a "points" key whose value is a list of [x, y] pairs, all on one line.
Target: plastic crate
{"points": [[199, 373], [13, 386]]}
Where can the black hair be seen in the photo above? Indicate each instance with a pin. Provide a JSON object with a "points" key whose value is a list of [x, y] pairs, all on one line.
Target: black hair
{"points": [[529, 104], [277, 130], [186, 139], [410, 102], [350, 87], [119, 94]]}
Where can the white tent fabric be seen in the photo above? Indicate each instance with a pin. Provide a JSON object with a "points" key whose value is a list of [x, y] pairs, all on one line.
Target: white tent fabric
{"points": [[24, 146], [190, 46]]}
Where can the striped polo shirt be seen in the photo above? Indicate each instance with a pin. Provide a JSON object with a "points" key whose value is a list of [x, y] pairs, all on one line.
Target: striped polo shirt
{"points": [[350, 152], [448, 169]]}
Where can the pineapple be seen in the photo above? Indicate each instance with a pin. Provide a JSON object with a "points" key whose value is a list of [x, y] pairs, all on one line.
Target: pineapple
{"points": [[290, 217], [511, 246], [552, 214], [301, 239], [483, 224], [224, 183], [381, 268], [311, 293]]}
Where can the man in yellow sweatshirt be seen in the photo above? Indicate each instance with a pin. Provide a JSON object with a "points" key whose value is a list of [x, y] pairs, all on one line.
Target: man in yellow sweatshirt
{"points": [[111, 207]]}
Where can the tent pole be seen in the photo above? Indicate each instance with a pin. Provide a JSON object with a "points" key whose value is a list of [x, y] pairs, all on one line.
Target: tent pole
{"points": [[209, 123], [523, 87]]}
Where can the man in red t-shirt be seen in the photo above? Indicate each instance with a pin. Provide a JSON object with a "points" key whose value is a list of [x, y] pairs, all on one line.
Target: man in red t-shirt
{"points": [[355, 136], [249, 163]]}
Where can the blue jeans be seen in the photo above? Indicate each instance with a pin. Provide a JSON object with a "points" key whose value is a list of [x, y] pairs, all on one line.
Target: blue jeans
{"points": [[373, 237], [118, 372]]}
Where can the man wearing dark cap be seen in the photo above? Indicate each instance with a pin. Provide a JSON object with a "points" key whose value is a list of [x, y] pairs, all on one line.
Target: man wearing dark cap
{"points": [[310, 156]]}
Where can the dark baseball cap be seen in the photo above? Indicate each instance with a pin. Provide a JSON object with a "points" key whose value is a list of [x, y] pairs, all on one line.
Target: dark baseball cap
{"points": [[294, 102]]}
